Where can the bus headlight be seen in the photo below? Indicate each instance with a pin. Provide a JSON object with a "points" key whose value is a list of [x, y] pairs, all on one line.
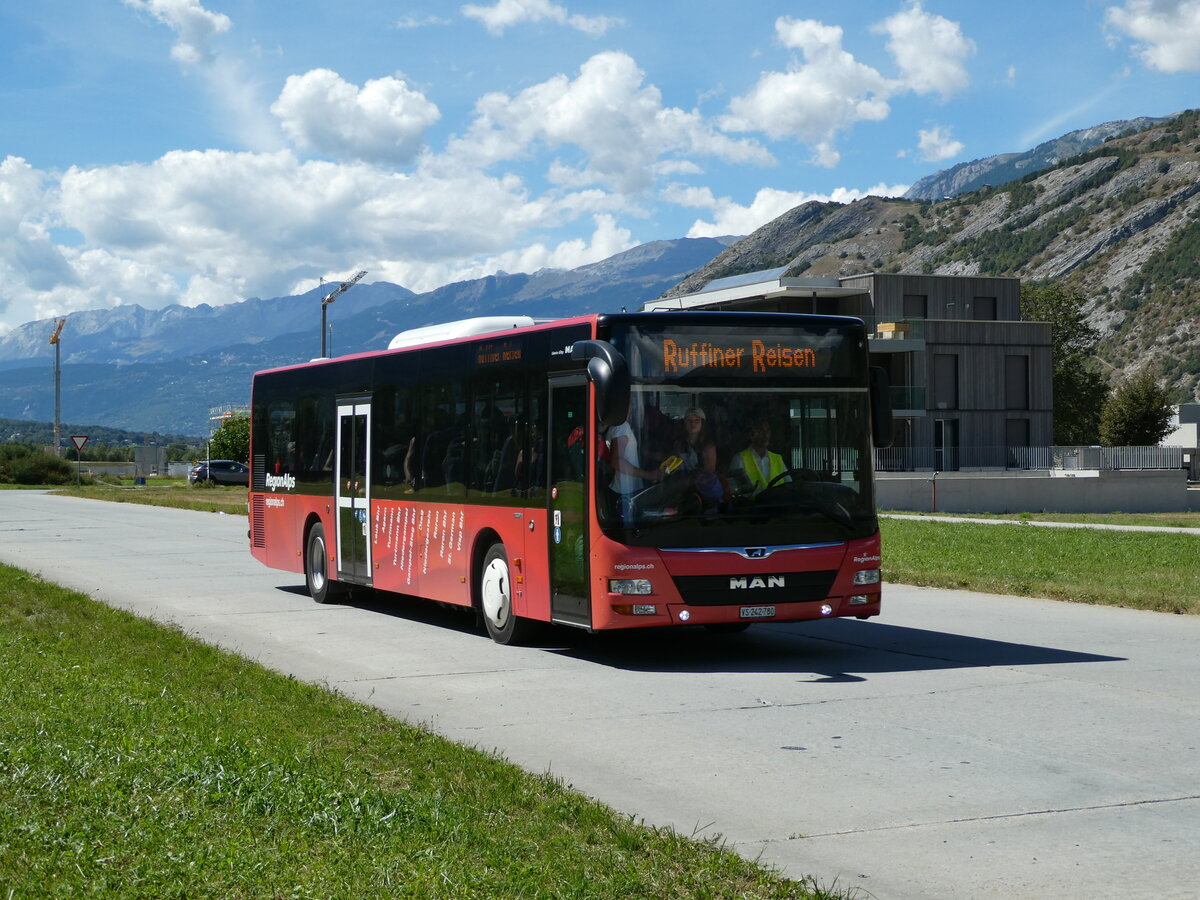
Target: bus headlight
{"points": [[629, 586], [867, 576]]}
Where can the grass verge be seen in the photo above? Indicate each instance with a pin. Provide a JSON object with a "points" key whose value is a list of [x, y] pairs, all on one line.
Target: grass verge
{"points": [[172, 492], [1142, 570], [135, 762], [1157, 520]]}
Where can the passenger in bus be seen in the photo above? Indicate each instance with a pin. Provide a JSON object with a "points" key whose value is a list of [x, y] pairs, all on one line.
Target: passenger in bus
{"points": [[758, 465], [695, 447], [628, 475], [698, 451]]}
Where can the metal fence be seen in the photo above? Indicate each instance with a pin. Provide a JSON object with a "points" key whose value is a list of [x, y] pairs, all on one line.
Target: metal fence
{"points": [[930, 459]]}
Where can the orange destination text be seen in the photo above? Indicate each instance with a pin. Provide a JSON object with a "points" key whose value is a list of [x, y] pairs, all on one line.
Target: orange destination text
{"points": [[763, 358]]}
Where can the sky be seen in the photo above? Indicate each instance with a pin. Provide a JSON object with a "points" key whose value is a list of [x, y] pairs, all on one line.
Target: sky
{"points": [[155, 152]]}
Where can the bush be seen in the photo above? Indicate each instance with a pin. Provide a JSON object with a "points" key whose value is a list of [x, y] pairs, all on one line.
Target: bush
{"points": [[1137, 415], [22, 465]]}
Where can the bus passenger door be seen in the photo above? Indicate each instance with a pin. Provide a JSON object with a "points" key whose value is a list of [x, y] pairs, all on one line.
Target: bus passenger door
{"points": [[566, 445], [352, 490]]}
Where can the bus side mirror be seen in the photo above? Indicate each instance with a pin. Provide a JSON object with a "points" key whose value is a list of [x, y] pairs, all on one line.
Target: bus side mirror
{"points": [[881, 408], [607, 370]]}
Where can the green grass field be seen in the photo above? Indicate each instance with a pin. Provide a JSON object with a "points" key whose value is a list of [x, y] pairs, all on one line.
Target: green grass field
{"points": [[1143, 570], [135, 762], [172, 492]]}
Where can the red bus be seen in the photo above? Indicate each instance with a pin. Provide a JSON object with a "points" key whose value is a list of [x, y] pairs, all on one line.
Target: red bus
{"points": [[554, 471]]}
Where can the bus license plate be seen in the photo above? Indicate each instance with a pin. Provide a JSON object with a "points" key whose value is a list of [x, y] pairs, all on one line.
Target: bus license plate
{"points": [[757, 612]]}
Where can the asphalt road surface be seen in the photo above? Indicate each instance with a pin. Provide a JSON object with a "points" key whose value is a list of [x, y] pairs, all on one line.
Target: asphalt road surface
{"points": [[962, 745]]}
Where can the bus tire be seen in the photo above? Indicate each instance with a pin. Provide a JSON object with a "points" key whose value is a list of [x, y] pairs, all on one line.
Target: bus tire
{"points": [[496, 599], [316, 568]]}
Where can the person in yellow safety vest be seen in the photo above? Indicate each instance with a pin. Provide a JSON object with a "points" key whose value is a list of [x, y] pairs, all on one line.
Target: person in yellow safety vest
{"points": [[760, 464]]}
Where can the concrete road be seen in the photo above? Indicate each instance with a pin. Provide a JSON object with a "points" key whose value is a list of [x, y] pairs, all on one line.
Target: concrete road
{"points": [[964, 745]]}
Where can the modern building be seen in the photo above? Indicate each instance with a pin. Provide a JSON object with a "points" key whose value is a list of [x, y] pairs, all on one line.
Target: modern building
{"points": [[971, 382], [1185, 433]]}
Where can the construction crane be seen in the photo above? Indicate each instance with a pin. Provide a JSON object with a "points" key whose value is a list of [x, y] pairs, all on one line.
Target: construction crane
{"points": [[58, 327], [333, 295]]}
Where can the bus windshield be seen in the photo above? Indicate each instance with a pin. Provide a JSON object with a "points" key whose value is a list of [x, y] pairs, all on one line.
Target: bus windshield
{"points": [[739, 440]]}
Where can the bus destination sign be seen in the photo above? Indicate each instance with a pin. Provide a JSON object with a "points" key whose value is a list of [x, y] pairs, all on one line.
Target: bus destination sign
{"points": [[739, 357], [495, 353]]}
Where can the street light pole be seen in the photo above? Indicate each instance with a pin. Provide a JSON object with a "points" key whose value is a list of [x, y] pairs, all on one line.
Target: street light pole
{"points": [[324, 303], [329, 298], [54, 339]]}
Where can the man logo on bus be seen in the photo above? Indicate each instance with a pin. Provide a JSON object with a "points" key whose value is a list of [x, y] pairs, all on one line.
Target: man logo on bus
{"points": [[756, 552], [743, 584]]}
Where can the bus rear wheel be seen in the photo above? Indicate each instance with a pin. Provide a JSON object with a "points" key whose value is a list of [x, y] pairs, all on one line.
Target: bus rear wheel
{"points": [[316, 568], [496, 599]]}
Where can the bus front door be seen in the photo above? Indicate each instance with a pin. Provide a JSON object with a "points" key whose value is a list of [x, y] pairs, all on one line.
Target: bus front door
{"points": [[352, 490], [567, 446]]}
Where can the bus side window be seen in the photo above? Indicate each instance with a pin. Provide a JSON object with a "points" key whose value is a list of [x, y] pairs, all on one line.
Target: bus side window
{"points": [[393, 440], [498, 428], [443, 444]]}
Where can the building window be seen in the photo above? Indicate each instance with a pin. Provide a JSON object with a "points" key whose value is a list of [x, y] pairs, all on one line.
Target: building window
{"points": [[915, 306], [945, 380], [983, 309], [945, 445], [1016, 433], [1016, 382]]}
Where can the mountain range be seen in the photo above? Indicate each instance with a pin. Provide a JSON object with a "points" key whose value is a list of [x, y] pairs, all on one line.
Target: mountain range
{"points": [[1112, 212], [166, 370]]}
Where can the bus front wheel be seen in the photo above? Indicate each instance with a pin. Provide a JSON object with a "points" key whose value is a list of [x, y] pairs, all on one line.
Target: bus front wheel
{"points": [[316, 568], [496, 599]]}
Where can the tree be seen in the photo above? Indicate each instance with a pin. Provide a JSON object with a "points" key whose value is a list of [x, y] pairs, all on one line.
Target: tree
{"points": [[1079, 389], [1138, 415], [232, 440]]}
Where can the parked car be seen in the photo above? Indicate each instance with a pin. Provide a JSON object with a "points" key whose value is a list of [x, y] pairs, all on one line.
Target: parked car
{"points": [[220, 471]]}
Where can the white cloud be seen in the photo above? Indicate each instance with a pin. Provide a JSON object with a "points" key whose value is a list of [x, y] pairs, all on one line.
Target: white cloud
{"points": [[29, 257], [382, 122], [242, 111], [1166, 32], [729, 217], [215, 226], [618, 124], [506, 13], [195, 25], [815, 99], [936, 144], [607, 239], [930, 50], [826, 91], [407, 22]]}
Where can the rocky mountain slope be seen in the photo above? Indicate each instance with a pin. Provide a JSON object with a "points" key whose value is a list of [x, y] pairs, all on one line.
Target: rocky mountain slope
{"points": [[1120, 223], [1006, 167]]}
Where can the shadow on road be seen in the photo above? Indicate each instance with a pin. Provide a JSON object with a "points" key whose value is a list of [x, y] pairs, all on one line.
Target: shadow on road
{"points": [[836, 650]]}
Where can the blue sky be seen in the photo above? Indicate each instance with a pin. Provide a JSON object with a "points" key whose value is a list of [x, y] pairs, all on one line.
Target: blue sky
{"points": [[204, 151]]}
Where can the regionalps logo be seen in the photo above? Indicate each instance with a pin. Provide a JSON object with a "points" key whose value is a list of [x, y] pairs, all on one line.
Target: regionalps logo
{"points": [[284, 482]]}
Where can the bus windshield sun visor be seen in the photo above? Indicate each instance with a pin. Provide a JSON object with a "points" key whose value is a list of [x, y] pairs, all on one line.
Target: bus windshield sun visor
{"points": [[608, 370]]}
